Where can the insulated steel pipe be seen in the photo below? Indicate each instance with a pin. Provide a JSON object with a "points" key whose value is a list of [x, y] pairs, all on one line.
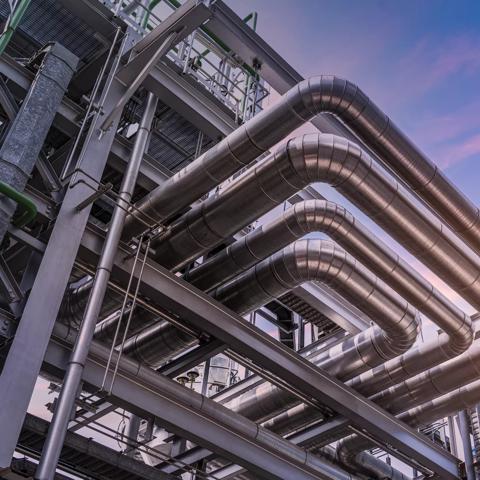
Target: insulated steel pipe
{"points": [[323, 261], [73, 375], [462, 398], [340, 225], [299, 105], [342, 164], [28, 131]]}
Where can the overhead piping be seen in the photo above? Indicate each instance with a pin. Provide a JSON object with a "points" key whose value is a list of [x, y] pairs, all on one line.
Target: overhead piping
{"points": [[340, 225], [323, 261], [299, 105], [342, 164], [462, 398], [243, 428]]}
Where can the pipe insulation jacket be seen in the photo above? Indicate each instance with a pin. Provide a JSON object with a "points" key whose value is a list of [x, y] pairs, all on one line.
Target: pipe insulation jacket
{"points": [[29, 129], [299, 105], [245, 429], [341, 226], [307, 260], [342, 164], [462, 398]]}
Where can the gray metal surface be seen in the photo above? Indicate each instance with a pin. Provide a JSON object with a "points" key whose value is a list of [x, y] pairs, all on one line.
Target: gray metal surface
{"points": [[20, 371], [353, 173], [194, 417], [299, 105], [94, 459], [301, 376], [27, 133], [349, 233], [73, 375]]}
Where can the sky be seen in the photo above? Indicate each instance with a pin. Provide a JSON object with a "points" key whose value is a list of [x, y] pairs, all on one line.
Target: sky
{"points": [[418, 60]]}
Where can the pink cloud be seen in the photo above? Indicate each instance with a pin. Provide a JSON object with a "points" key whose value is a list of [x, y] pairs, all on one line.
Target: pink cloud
{"points": [[453, 154]]}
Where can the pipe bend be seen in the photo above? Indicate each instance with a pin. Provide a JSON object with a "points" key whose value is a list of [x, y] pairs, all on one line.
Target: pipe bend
{"points": [[323, 261]]}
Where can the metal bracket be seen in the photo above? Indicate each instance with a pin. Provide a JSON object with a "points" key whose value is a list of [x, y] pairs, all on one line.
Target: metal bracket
{"points": [[9, 284], [102, 190]]}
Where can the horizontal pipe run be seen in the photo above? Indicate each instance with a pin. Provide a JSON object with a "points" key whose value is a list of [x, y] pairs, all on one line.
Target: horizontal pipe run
{"points": [[340, 225], [342, 164], [325, 262], [216, 418], [299, 105]]}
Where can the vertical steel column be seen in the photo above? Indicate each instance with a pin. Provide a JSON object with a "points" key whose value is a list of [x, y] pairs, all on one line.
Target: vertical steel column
{"points": [[26, 136], [73, 375], [464, 426], [20, 371]]}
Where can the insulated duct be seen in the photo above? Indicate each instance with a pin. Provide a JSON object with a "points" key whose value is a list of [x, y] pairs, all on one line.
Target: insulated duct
{"points": [[462, 398], [342, 164], [299, 105], [358, 241], [425, 386], [323, 261], [27, 134]]}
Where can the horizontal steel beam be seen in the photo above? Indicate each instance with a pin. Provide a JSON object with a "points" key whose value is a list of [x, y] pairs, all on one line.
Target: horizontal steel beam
{"points": [[289, 369], [145, 392]]}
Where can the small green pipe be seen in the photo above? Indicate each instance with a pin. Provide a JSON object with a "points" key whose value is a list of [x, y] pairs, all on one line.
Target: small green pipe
{"points": [[28, 210], [12, 23]]}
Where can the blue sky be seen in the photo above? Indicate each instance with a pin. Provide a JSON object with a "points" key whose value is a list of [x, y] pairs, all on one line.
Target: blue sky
{"points": [[418, 60]]}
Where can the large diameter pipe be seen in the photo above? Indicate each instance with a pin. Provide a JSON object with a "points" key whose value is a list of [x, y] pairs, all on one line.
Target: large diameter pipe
{"points": [[325, 262], [340, 225], [342, 164], [73, 375], [416, 390], [464, 427], [29, 129], [462, 398], [299, 105]]}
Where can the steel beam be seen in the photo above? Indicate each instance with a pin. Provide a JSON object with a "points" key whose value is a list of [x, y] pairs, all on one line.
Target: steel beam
{"points": [[289, 369], [181, 94], [189, 416], [20, 370], [97, 451]]}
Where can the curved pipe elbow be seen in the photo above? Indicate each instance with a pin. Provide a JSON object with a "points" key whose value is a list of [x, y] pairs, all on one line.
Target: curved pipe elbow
{"points": [[323, 261]]}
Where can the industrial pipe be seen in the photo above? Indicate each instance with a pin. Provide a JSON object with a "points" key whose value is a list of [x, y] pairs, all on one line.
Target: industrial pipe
{"points": [[228, 420], [342, 164], [462, 398], [299, 105], [340, 225], [323, 261], [28, 131], [73, 375]]}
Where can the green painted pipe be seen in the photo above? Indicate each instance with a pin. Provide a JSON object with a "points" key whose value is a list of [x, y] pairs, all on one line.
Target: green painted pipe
{"points": [[27, 207], [12, 23]]}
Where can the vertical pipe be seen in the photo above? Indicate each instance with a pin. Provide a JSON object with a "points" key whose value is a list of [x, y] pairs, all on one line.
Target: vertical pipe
{"points": [[29, 129], [452, 436], [66, 401], [132, 434], [464, 426]]}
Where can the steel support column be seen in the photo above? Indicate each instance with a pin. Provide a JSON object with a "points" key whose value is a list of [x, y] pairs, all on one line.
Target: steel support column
{"points": [[20, 371]]}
